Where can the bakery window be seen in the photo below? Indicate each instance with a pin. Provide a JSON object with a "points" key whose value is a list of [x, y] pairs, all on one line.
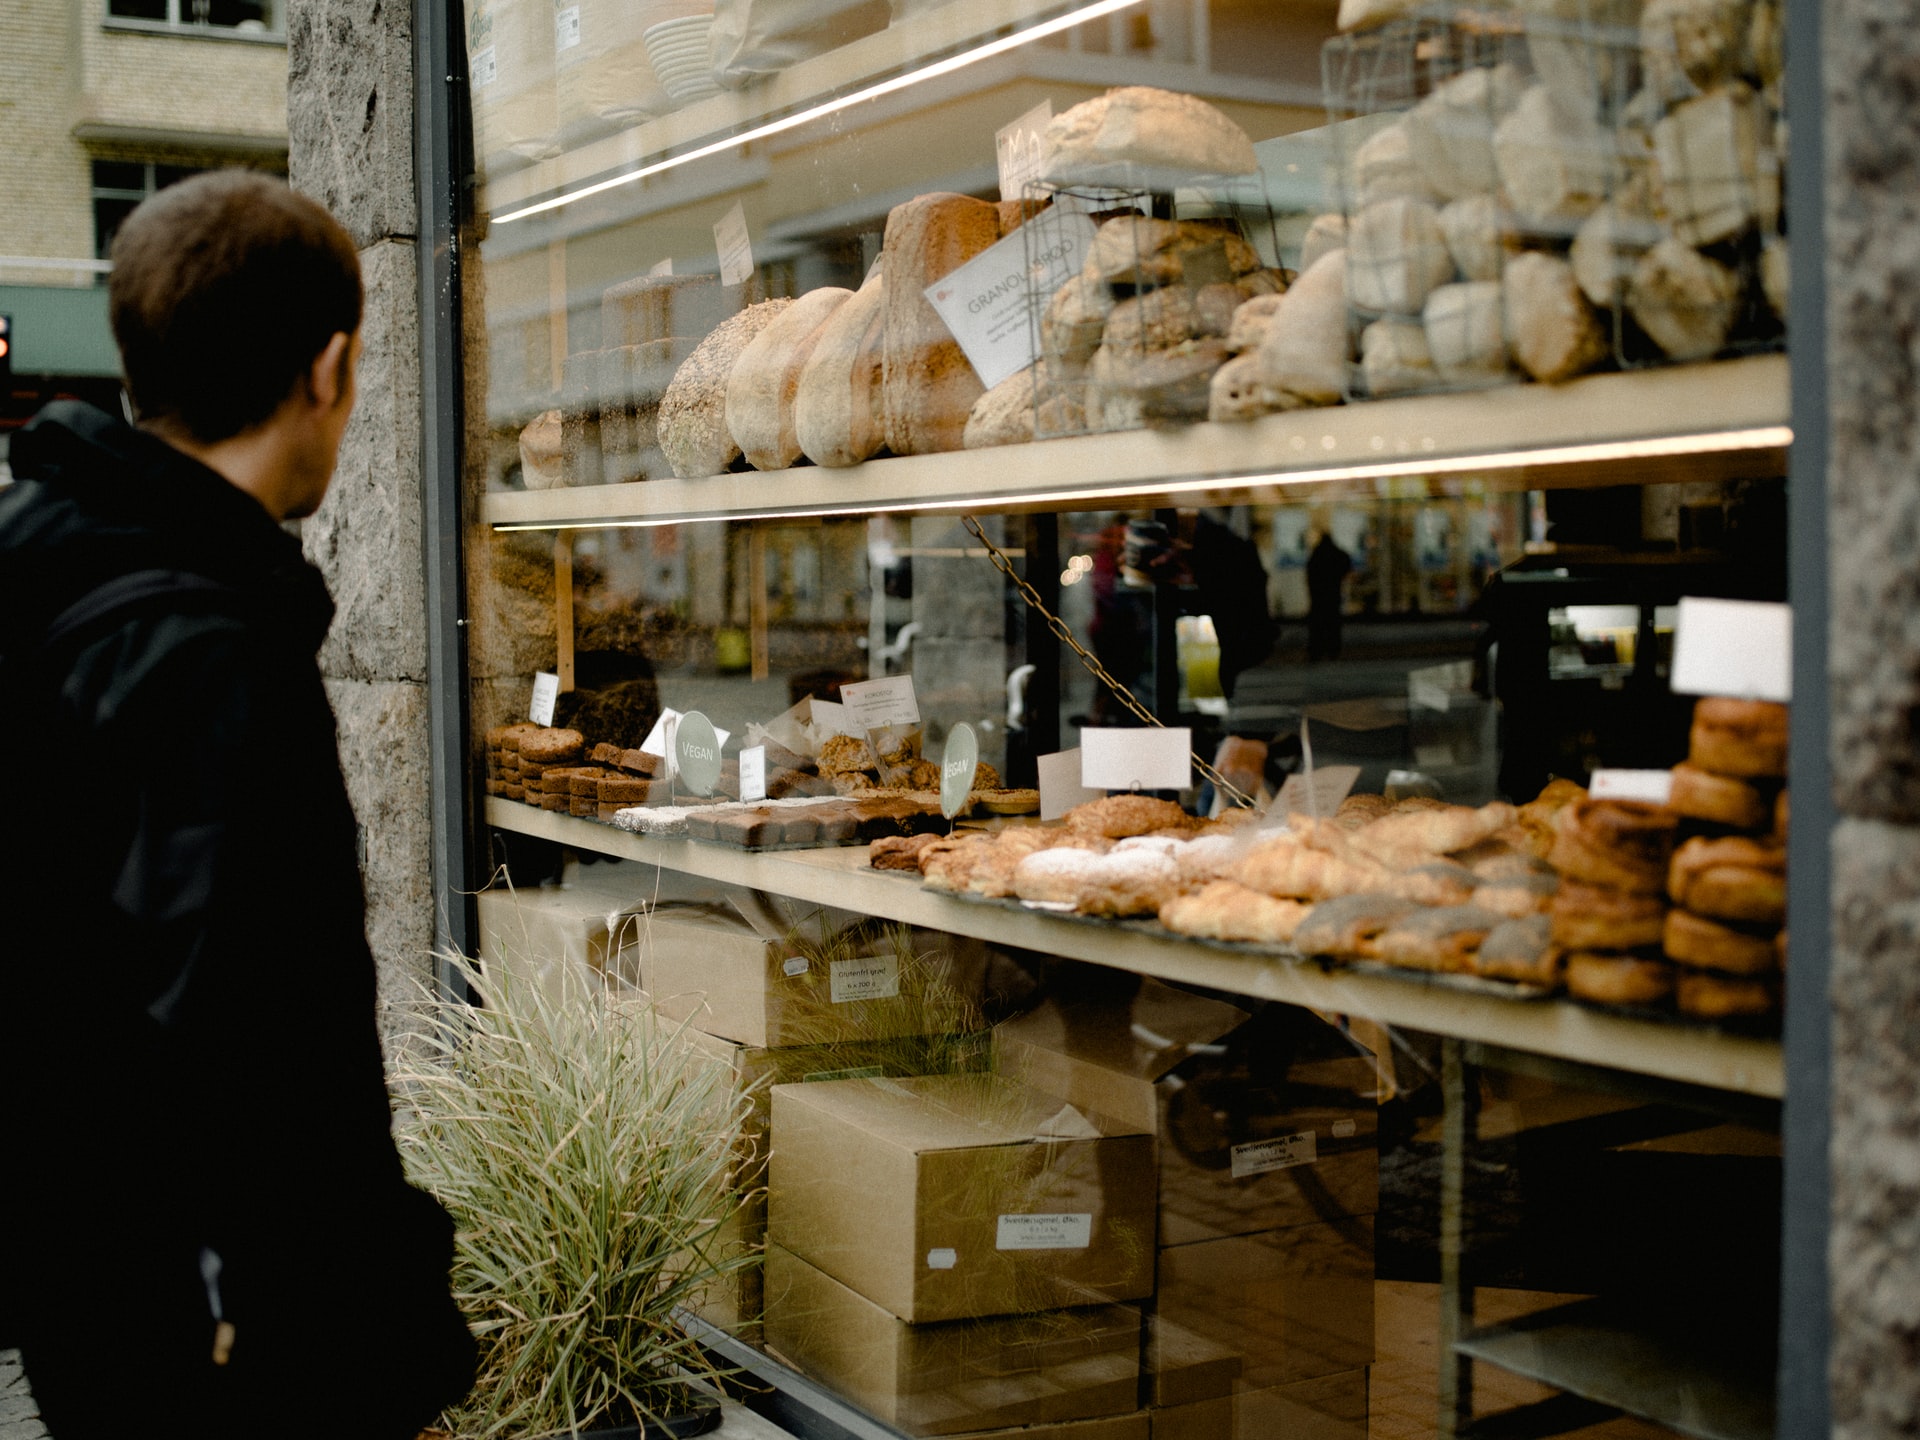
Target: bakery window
{"points": [[1225, 549]]}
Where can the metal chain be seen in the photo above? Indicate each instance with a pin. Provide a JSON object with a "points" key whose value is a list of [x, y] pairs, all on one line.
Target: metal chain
{"points": [[1099, 672]]}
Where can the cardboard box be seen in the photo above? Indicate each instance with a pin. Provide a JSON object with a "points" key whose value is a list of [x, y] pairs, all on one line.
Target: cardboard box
{"points": [[1333, 1407], [1202, 1420], [1296, 1304], [811, 978], [957, 1377], [953, 1197], [1113, 1427], [1184, 1368], [561, 937]]}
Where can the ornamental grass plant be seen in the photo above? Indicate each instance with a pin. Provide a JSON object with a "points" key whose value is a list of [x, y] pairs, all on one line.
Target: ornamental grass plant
{"points": [[587, 1156]]}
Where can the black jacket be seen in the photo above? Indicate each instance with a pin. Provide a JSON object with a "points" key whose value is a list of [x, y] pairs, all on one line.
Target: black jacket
{"points": [[189, 1060]]}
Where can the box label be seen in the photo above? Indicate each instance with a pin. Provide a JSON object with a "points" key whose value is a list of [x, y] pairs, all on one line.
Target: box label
{"points": [[1136, 759], [1044, 1232], [1654, 787], [852, 1072], [484, 68], [873, 703], [546, 693], [1345, 1129], [753, 773], [566, 28], [866, 977], [942, 1259], [736, 250], [991, 303], [1260, 1156], [1740, 648]]}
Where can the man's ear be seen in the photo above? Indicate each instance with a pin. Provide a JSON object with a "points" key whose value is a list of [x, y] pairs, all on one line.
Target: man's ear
{"points": [[327, 378]]}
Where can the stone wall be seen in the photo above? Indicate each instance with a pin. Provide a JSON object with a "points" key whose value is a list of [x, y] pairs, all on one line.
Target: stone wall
{"points": [[350, 114]]}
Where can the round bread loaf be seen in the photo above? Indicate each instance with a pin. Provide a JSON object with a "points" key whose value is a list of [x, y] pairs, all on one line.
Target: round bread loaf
{"points": [[1618, 979], [552, 747], [1592, 917], [1707, 996], [1719, 799], [1618, 844], [1104, 139], [1709, 945], [1745, 738], [693, 412]]}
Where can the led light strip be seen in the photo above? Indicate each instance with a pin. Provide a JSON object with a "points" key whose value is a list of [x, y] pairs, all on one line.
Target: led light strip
{"points": [[1765, 437], [847, 102]]}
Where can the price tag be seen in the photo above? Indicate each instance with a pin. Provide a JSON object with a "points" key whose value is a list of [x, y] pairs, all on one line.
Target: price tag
{"points": [[1159, 759], [696, 752], [753, 773], [1318, 793], [1020, 149], [1044, 1232], [990, 303], [546, 693], [660, 268], [566, 28], [960, 761], [484, 68], [944, 1257], [865, 977], [1258, 1157], [659, 740], [736, 251], [1740, 648], [871, 704], [793, 966], [1652, 787], [1060, 787]]}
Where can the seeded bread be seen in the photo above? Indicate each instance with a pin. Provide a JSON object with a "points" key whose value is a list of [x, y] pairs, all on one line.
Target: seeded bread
{"points": [[693, 413]]}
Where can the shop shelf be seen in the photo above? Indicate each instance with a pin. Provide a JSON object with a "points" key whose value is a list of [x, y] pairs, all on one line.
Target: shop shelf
{"points": [[841, 877], [1723, 420]]}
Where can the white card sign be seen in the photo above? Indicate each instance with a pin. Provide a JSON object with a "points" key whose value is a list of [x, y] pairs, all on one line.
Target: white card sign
{"points": [[1160, 759], [1060, 787], [1316, 793], [829, 717], [753, 773], [736, 250], [546, 693], [484, 68], [988, 303], [1652, 787], [1020, 149], [1741, 648], [696, 752], [873, 703]]}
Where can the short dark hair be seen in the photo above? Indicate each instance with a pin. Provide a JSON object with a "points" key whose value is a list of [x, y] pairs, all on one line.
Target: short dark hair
{"points": [[224, 289]]}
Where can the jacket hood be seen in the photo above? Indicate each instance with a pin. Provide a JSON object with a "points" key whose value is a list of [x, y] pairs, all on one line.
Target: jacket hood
{"points": [[94, 498]]}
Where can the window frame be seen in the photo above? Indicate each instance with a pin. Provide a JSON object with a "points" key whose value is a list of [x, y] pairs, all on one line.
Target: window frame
{"points": [[275, 32]]}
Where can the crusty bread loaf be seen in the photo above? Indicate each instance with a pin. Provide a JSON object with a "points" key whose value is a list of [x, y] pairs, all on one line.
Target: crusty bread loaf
{"points": [[1394, 357], [837, 408], [693, 413], [1684, 300], [1305, 351], [1550, 329], [1101, 140], [928, 385], [1450, 133], [1396, 255], [1134, 250], [1004, 415], [1466, 331], [766, 378], [1075, 319]]}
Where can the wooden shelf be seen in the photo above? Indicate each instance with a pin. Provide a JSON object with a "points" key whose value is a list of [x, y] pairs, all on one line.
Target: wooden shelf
{"points": [[1722, 420], [841, 877]]}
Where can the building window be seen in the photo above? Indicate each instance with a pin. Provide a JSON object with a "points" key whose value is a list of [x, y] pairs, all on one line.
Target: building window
{"points": [[245, 16], [119, 185]]}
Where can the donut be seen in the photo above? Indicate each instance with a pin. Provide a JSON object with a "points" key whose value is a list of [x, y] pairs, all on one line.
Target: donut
{"points": [[1747, 738], [1620, 844], [1610, 979], [1720, 799], [1588, 917], [1707, 996], [1730, 879], [1708, 945]]}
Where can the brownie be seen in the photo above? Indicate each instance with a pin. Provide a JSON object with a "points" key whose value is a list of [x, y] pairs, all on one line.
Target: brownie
{"points": [[605, 753], [585, 806], [507, 737], [797, 827], [625, 790], [783, 783], [702, 827], [586, 781], [639, 762], [837, 825], [514, 792], [745, 828], [530, 770]]}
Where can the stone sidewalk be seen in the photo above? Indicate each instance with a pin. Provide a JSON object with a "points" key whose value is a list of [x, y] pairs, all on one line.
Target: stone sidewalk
{"points": [[19, 1420]]}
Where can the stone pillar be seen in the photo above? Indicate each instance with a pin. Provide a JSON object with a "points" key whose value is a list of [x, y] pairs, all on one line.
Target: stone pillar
{"points": [[1872, 279], [350, 146]]}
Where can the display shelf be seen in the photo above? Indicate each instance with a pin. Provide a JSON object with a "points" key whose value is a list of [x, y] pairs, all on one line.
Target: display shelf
{"points": [[841, 877], [1692, 1378], [1716, 421]]}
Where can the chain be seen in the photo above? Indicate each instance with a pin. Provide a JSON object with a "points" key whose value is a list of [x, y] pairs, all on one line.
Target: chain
{"points": [[1064, 633]]}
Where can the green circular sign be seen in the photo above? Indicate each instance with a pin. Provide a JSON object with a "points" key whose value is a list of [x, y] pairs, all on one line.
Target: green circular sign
{"points": [[696, 752], [957, 769]]}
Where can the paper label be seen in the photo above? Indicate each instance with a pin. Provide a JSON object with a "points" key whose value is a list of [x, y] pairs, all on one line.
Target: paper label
{"points": [[829, 717], [1260, 1156], [661, 267], [1159, 759], [1021, 148], [866, 977], [1060, 787], [1654, 787], [1345, 1129], [484, 68], [1044, 1232], [942, 1259], [546, 692], [852, 1072], [1318, 794], [1739, 648], [873, 703], [991, 303], [566, 28], [736, 251], [753, 773], [793, 965]]}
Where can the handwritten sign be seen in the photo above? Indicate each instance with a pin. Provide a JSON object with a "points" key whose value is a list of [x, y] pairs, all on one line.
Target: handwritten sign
{"points": [[959, 763], [1020, 148], [874, 703], [753, 773]]}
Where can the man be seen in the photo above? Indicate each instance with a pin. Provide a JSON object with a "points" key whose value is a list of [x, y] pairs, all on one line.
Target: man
{"points": [[1327, 570], [204, 1229]]}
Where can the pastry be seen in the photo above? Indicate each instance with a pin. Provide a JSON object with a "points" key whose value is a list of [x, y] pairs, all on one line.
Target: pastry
{"points": [[1208, 857], [1285, 868], [1134, 250], [1516, 896], [927, 384], [1619, 844], [1436, 883], [764, 383], [628, 790], [1730, 879], [1707, 996], [1709, 945], [1222, 910], [1053, 875], [1443, 938], [1719, 799], [898, 852], [1127, 883], [1746, 738], [1118, 816], [1103, 140], [1618, 979], [1358, 810], [838, 411], [1406, 836], [844, 755], [1589, 917], [1348, 926], [693, 413], [1520, 950]]}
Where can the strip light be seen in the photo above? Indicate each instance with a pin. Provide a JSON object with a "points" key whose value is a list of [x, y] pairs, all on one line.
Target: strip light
{"points": [[1763, 437], [846, 102]]}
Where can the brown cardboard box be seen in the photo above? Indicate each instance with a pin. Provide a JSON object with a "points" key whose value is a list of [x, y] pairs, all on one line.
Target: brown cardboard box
{"points": [[780, 981], [561, 937], [1202, 1420], [1112, 1427], [1333, 1407], [1297, 1303], [1184, 1368], [960, 1376], [958, 1196]]}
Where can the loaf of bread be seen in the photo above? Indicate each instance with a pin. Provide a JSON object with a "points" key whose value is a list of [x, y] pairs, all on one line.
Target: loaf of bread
{"points": [[1396, 255], [1135, 250], [1475, 233], [1306, 349], [837, 410], [1466, 331], [542, 453], [1719, 175], [1610, 243], [1251, 321], [1685, 301], [1450, 133], [1074, 321], [1106, 139], [1689, 45], [1383, 168], [1555, 170], [1551, 330], [1394, 358], [1576, 51], [1235, 391], [1327, 232], [693, 414], [928, 386], [1028, 405], [765, 380]]}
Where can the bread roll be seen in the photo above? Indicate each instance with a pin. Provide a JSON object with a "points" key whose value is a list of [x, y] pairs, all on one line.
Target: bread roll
{"points": [[1450, 133], [1689, 45], [1594, 917], [1550, 329], [1709, 945], [1732, 878], [1394, 358], [928, 385], [1610, 243], [1075, 319], [693, 414], [1235, 391], [1222, 910], [1327, 232], [542, 453], [1718, 799], [1685, 301], [1396, 255], [1519, 950], [838, 415], [1383, 168], [1719, 176], [1708, 996], [1104, 139], [1475, 233], [1617, 844], [1575, 53], [1305, 353], [1466, 331], [1135, 250], [1005, 414], [1618, 979], [1746, 738], [1250, 323], [765, 380], [1556, 170]]}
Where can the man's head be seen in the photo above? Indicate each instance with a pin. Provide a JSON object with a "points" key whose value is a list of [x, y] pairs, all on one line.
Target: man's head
{"points": [[225, 289]]}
